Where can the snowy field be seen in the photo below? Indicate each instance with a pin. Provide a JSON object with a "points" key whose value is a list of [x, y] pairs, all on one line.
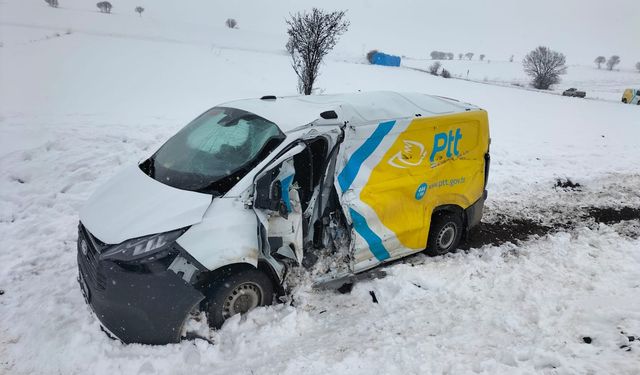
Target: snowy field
{"points": [[106, 92], [597, 83]]}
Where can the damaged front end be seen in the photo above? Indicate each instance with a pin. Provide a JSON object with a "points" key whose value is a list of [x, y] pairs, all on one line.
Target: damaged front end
{"points": [[140, 290]]}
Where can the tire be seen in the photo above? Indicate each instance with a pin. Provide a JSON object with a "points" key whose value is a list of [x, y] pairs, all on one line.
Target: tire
{"points": [[445, 233], [237, 293], [624, 100]]}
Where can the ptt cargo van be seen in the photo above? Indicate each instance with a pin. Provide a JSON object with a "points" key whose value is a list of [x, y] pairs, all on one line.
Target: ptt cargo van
{"points": [[631, 96], [216, 217]]}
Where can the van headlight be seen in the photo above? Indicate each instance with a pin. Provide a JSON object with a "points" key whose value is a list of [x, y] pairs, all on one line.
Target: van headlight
{"points": [[153, 246]]}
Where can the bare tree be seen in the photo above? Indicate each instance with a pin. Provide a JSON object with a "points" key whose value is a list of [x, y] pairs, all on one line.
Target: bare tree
{"points": [[460, 56], [445, 73], [613, 61], [599, 61], [433, 69], [469, 55], [544, 66], [139, 10], [370, 55], [231, 23], [638, 66], [104, 6], [311, 36], [481, 57], [52, 3]]}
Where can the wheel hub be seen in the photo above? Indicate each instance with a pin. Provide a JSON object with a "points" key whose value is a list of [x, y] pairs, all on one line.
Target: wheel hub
{"points": [[243, 298], [446, 236]]}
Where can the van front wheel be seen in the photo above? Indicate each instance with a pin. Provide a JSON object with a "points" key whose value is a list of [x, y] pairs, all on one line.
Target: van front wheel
{"points": [[237, 293], [445, 233]]}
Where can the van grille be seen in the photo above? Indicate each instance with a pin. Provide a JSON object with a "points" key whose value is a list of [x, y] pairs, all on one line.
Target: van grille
{"points": [[88, 263]]}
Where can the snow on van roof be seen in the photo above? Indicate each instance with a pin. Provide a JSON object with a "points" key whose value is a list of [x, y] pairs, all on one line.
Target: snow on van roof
{"points": [[292, 112]]}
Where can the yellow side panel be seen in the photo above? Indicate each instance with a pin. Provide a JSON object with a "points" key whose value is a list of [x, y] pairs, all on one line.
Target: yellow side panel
{"points": [[435, 161]]}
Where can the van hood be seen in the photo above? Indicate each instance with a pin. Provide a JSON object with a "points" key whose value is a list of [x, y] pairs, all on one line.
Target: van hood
{"points": [[132, 204]]}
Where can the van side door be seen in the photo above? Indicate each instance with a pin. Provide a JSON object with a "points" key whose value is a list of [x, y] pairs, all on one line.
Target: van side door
{"points": [[276, 202]]}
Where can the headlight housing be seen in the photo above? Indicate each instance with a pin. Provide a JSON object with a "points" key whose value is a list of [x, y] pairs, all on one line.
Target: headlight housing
{"points": [[150, 247]]}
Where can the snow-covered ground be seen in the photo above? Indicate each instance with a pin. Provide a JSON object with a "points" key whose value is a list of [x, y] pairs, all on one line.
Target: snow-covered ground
{"points": [[597, 83], [77, 107]]}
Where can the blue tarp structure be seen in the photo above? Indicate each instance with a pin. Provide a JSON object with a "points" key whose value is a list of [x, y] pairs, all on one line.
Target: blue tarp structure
{"points": [[380, 58]]}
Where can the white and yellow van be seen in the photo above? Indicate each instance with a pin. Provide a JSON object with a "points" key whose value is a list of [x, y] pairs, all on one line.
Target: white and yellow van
{"points": [[631, 96], [216, 217]]}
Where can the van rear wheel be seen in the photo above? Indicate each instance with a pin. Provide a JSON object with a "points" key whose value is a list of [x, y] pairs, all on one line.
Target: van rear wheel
{"points": [[445, 233], [237, 293]]}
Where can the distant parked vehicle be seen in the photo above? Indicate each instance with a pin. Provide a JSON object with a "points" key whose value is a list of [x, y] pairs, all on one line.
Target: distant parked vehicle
{"points": [[574, 92], [631, 96]]}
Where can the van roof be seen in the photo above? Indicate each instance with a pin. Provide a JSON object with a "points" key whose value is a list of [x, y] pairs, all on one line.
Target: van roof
{"points": [[293, 112]]}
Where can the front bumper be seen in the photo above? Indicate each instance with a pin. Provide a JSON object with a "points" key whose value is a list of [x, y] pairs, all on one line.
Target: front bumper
{"points": [[144, 303]]}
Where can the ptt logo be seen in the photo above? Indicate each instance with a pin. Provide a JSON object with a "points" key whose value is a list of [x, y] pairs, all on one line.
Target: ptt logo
{"points": [[411, 156], [448, 141], [413, 152]]}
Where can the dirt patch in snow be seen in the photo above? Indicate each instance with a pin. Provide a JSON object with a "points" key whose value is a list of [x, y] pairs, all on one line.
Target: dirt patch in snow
{"points": [[609, 215], [506, 230], [513, 229], [567, 184]]}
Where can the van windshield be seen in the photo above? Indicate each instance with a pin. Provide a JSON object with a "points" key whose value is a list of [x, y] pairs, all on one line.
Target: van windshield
{"points": [[212, 153]]}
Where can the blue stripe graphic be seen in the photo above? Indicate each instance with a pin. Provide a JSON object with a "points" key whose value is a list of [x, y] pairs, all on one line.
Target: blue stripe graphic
{"points": [[374, 242], [285, 183], [350, 171]]}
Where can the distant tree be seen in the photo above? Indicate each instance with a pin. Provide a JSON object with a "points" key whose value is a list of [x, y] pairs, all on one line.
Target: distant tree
{"points": [[449, 55], [481, 57], [139, 10], [613, 61], [638, 66], [231, 23], [599, 61], [104, 6], [438, 55], [311, 36], [460, 56], [544, 66], [511, 58], [52, 3], [370, 55], [445, 73], [469, 55], [433, 69]]}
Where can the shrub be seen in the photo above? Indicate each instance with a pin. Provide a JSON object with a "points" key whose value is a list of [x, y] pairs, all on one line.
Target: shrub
{"points": [[460, 56], [231, 23], [52, 3], [370, 55], [544, 66], [311, 36], [511, 58], [613, 61], [139, 10], [481, 57], [433, 69], [104, 6], [445, 73]]}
